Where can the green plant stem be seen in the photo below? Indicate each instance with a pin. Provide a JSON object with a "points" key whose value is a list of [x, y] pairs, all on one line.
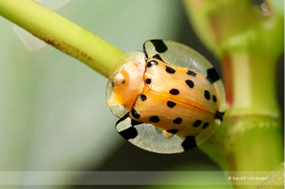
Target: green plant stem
{"points": [[248, 42], [250, 137], [218, 20], [62, 34], [247, 146], [252, 77]]}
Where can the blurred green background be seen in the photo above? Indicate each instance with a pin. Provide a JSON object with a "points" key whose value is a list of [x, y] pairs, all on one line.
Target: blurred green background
{"points": [[53, 111]]}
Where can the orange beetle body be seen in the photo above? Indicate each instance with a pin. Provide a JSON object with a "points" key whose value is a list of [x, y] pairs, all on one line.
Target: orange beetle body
{"points": [[167, 102]]}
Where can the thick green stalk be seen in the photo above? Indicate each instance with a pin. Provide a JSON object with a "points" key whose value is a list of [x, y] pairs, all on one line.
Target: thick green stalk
{"points": [[248, 42], [253, 84], [62, 34]]}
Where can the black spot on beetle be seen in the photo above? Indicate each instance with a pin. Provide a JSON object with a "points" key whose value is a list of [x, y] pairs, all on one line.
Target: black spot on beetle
{"points": [[197, 123], [123, 118], [205, 125], [145, 53], [177, 120], [154, 119], [207, 95], [190, 83], [212, 75], [171, 104], [174, 91], [219, 115], [148, 81], [113, 84], [189, 72], [134, 122], [189, 143], [129, 133], [142, 97], [172, 131], [135, 114], [157, 57], [159, 45], [214, 98], [170, 70], [152, 63]]}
